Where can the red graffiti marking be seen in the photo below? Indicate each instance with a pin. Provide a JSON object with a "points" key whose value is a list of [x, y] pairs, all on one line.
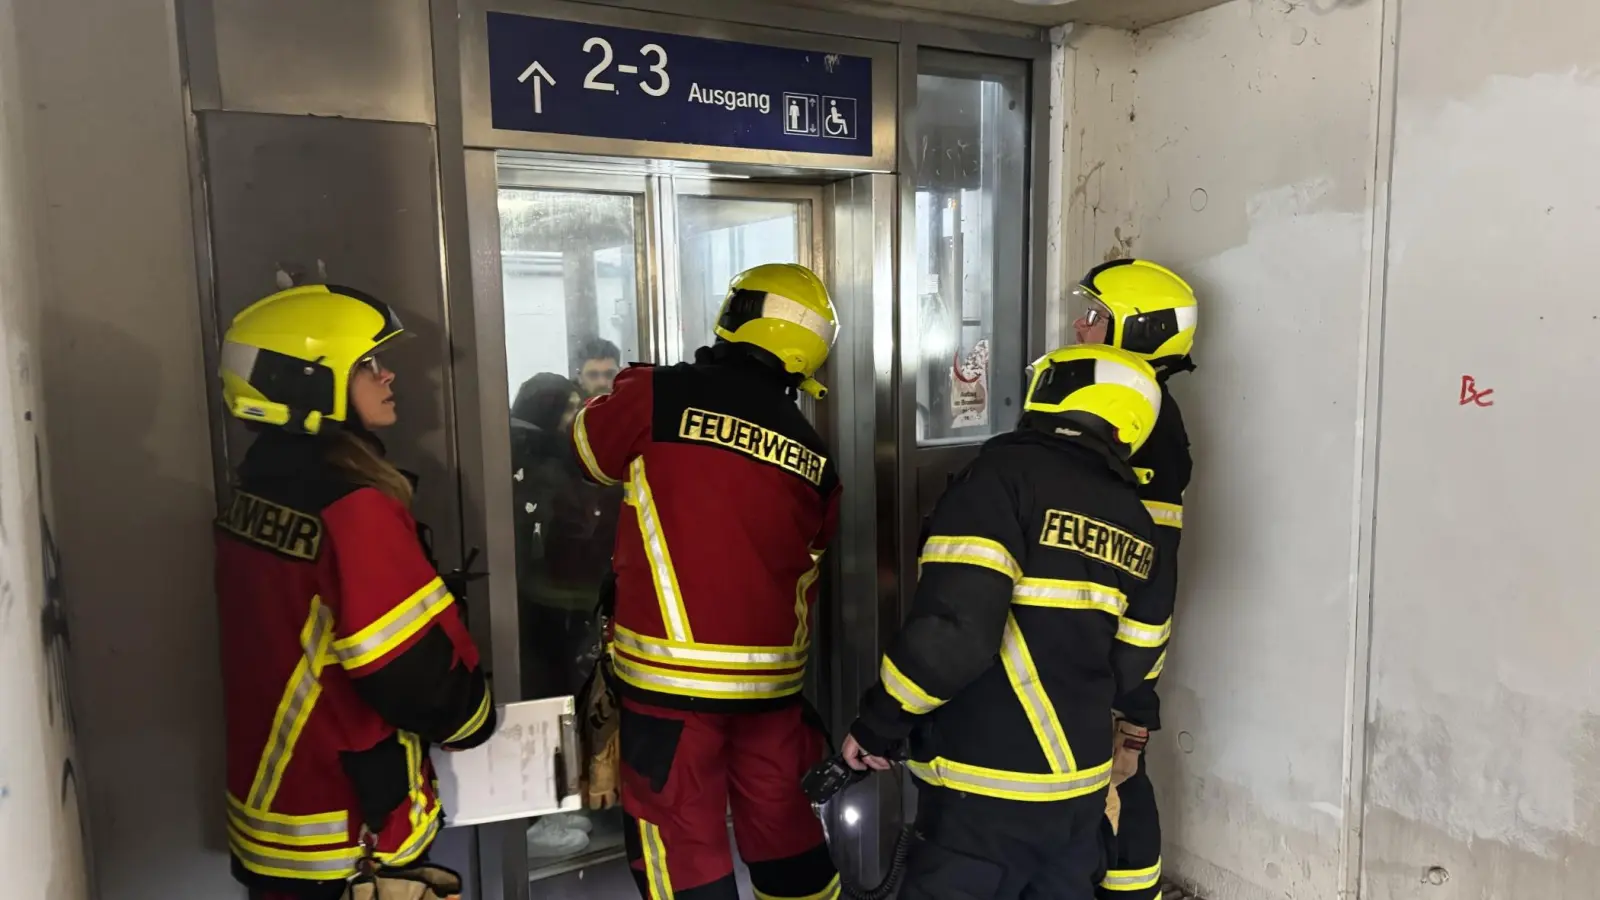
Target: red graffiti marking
{"points": [[1471, 394]]}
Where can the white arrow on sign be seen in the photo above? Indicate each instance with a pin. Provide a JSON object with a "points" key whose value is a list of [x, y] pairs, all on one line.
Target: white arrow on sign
{"points": [[539, 76]]}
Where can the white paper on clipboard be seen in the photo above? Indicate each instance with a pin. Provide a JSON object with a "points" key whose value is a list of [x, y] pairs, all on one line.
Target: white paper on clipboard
{"points": [[513, 774]]}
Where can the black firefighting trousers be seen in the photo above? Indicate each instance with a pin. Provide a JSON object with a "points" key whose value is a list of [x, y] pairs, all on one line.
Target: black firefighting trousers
{"points": [[981, 848], [1135, 872]]}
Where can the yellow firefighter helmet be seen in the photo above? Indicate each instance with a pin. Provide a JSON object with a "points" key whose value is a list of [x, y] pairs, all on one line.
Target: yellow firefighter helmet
{"points": [[287, 358], [784, 309], [1094, 384], [1151, 311]]}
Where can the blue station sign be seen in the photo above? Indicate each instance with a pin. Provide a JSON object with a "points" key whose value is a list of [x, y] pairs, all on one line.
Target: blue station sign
{"points": [[559, 77]]}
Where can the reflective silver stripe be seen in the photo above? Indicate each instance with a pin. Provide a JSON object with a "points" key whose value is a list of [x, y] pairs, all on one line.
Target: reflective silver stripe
{"points": [[777, 306], [300, 696], [331, 825], [655, 547], [1069, 595], [354, 653], [970, 551], [1025, 681], [1168, 514], [337, 863], [1155, 670], [775, 657], [655, 862], [705, 685], [1115, 371], [1011, 785], [907, 692], [333, 863], [580, 434], [1132, 879], [1141, 635]]}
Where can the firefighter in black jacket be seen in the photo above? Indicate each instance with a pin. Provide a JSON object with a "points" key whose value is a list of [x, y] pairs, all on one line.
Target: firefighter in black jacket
{"points": [[1150, 312], [1031, 614]]}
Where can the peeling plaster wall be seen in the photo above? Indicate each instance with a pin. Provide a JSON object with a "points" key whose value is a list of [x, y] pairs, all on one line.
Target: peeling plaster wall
{"points": [[1485, 734], [1237, 145], [1242, 145]]}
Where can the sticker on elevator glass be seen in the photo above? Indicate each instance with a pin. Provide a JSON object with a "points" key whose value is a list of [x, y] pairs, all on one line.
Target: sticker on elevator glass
{"points": [[559, 77], [969, 388]]}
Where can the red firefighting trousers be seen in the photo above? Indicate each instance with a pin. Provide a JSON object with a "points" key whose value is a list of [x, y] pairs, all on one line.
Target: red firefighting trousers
{"points": [[681, 774]]}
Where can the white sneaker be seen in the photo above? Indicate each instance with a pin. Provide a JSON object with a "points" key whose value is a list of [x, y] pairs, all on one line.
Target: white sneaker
{"points": [[547, 838], [571, 820]]}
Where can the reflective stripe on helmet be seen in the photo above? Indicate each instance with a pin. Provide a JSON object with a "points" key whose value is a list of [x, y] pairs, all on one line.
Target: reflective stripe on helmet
{"points": [[777, 306], [1115, 371]]}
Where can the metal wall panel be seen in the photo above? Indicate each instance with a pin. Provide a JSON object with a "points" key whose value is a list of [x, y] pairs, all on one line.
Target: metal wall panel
{"points": [[360, 59], [861, 608], [354, 203]]}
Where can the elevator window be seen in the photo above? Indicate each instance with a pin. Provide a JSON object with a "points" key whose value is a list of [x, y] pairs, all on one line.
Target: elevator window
{"points": [[572, 288], [719, 237], [971, 220]]}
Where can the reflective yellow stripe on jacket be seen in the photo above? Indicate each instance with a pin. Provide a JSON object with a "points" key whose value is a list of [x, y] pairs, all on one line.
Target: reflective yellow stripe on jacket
{"points": [[1168, 514], [325, 865], [1024, 786], [276, 844], [1024, 678], [1141, 634], [718, 671], [971, 551], [299, 698], [665, 578]]}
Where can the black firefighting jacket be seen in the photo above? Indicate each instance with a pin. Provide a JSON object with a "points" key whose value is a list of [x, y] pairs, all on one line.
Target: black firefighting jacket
{"points": [[1166, 463], [1032, 612]]}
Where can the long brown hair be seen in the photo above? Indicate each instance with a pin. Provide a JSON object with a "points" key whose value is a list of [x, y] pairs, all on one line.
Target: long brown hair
{"points": [[357, 459]]}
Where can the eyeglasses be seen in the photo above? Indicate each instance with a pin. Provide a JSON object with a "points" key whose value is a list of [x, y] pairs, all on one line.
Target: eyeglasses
{"points": [[372, 364], [1093, 316]]}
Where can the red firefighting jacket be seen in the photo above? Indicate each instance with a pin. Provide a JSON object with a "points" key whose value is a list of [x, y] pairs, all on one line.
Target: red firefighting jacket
{"points": [[343, 657], [730, 500]]}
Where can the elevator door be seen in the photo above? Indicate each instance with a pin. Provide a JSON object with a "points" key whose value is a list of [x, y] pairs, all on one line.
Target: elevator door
{"points": [[599, 268]]}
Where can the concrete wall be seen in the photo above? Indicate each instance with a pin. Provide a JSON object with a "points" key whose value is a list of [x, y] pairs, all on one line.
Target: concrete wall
{"points": [[1236, 145], [1485, 734], [1384, 671], [121, 367], [43, 844]]}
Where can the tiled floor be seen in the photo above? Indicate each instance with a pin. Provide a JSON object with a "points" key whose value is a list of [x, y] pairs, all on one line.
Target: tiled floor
{"points": [[608, 881]]}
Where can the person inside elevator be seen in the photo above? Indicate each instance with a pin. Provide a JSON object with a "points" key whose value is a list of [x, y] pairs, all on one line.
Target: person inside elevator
{"points": [[731, 499], [344, 653], [564, 528], [1149, 311], [1031, 613], [599, 361]]}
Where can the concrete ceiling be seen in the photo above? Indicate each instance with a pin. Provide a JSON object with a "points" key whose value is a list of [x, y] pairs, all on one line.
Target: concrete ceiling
{"points": [[1131, 14]]}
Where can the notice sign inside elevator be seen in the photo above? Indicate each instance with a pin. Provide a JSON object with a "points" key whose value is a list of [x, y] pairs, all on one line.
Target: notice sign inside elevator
{"points": [[560, 77]]}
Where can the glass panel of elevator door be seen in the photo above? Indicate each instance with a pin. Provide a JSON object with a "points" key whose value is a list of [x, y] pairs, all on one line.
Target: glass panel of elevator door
{"points": [[720, 236], [573, 289]]}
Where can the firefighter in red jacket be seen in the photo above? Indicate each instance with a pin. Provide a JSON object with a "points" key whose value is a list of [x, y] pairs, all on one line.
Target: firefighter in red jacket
{"points": [[731, 498], [344, 654]]}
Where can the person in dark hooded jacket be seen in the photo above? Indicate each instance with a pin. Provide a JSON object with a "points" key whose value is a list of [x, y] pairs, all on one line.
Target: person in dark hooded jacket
{"points": [[564, 529]]}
